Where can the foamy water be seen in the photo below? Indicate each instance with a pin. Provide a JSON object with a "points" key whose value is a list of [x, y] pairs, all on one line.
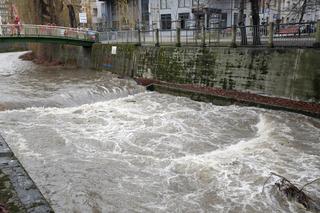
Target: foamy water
{"points": [[150, 152]]}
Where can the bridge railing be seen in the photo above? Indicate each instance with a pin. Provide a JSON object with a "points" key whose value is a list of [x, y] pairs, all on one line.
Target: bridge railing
{"points": [[27, 30]]}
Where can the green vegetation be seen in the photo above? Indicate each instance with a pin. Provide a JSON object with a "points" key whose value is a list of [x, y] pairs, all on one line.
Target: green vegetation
{"points": [[7, 195]]}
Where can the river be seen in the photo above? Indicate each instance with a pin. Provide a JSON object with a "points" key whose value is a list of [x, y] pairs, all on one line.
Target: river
{"points": [[95, 143]]}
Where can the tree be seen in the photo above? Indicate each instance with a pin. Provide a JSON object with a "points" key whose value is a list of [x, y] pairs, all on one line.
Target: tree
{"points": [[242, 24], [255, 21], [300, 8]]}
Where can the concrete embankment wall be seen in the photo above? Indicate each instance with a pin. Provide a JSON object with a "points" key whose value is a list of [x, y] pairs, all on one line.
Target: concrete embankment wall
{"points": [[288, 73], [18, 192], [7, 47], [64, 54]]}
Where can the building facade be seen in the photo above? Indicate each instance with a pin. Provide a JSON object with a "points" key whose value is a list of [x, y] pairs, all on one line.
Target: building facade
{"points": [[189, 14], [165, 14], [122, 14], [5, 14], [194, 13]]}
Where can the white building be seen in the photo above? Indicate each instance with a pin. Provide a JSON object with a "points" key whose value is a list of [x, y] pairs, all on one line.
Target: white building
{"points": [[167, 14], [4, 11], [134, 11]]}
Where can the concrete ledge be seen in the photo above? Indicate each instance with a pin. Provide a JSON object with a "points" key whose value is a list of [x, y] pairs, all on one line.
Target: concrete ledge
{"points": [[223, 100], [47, 40], [18, 193]]}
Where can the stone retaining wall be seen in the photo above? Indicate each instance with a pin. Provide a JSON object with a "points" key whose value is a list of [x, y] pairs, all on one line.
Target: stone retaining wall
{"points": [[287, 73], [18, 193]]}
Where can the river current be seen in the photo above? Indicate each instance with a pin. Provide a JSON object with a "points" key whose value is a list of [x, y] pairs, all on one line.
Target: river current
{"points": [[95, 143]]}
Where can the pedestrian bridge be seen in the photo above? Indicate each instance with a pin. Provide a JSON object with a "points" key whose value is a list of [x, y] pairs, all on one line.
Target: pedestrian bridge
{"points": [[11, 33]]}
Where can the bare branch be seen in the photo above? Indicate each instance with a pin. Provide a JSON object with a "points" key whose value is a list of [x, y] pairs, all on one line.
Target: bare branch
{"points": [[307, 184]]}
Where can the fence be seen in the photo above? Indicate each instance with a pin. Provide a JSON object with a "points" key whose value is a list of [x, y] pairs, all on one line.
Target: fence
{"points": [[278, 35], [25, 30]]}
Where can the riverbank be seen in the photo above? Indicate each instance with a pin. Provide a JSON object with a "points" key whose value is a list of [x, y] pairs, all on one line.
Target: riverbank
{"points": [[18, 193], [91, 145], [227, 97]]}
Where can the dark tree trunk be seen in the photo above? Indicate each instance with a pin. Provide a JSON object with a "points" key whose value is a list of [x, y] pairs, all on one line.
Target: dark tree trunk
{"points": [[242, 25], [302, 13], [255, 21], [72, 16]]}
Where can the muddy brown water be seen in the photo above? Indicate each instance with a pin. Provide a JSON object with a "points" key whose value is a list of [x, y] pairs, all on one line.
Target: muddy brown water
{"points": [[96, 143]]}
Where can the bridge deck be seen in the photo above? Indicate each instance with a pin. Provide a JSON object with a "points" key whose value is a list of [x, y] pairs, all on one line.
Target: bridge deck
{"points": [[47, 34]]}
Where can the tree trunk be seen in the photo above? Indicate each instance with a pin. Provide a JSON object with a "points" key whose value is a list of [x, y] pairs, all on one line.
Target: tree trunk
{"points": [[255, 21], [303, 11], [72, 16], [242, 25]]}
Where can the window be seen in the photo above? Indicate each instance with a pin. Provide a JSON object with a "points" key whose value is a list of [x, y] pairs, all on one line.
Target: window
{"points": [[183, 18], [164, 4], [224, 19], [184, 3], [196, 2], [235, 18], [236, 4], [95, 11], [145, 13], [166, 22]]}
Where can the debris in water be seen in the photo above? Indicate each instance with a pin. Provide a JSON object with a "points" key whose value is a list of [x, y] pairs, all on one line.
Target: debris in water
{"points": [[3, 209], [293, 193]]}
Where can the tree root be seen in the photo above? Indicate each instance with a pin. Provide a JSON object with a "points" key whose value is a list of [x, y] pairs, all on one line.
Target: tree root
{"points": [[293, 193]]}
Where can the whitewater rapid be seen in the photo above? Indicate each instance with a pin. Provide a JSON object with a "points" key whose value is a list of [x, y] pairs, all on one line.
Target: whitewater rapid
{"points": [[138, 151]]}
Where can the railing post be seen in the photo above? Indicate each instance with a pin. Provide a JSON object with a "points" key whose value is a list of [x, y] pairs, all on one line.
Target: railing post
{"points": [[203, 32], [271, 32], [218, 35], [178, 44], [157, 38], [234, 36], [97, 37], [139, 37], [317, 44], [37, 31]]}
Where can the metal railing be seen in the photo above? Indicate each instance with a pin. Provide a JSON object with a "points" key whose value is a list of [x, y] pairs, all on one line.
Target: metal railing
{"points": [[119, 37], [26, 30], [282, 35], [278, 35]]}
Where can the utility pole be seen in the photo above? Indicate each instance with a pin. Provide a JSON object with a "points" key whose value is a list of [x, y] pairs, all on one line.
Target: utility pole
{"points": [[263, 11], [232, 18], [198, 14]]}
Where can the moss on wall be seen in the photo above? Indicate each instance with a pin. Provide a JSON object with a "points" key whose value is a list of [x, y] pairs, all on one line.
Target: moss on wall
{"points": [[8, 195], [290, 73]]}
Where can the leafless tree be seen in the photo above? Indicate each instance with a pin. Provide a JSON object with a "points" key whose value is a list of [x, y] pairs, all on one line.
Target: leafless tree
{"points": [[255, 21], [241, 23], [300, 8]]}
